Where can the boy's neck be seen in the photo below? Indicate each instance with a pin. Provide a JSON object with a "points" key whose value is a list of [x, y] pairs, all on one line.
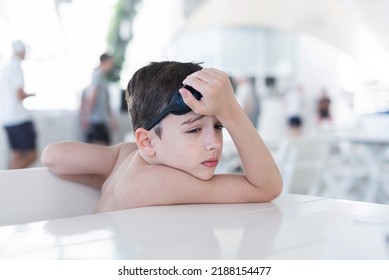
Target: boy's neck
{"points": [[145, 160]]}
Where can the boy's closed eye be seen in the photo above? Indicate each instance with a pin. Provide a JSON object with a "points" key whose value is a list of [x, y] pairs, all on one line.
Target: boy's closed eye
{"points": [[196, 130], [219, 126]]}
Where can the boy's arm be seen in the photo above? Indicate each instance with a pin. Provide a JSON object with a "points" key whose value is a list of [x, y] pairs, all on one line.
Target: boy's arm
{"points": [[83, 163], [162, 185]]}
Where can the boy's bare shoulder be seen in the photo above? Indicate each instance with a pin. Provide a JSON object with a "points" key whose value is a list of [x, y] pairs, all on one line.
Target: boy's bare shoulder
{"points": [[128, 147], [136, 179], [124, 151], [120, 181]]}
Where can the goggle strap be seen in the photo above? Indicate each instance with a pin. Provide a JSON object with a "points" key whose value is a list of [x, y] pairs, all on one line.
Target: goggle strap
{"points": [[150, 124]]}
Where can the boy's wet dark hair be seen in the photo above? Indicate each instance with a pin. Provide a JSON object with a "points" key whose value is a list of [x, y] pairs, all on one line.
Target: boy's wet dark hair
{"points": [[151, 88]]}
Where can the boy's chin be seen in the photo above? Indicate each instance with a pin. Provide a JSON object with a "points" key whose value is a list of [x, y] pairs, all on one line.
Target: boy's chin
{"points": [[204, 176]]}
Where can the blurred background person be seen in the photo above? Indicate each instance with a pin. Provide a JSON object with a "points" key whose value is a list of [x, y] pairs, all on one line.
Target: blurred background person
{"points": [[95, 111], [323, 107], [15, 119], [248, 97], [245, 92], [293, 101]]}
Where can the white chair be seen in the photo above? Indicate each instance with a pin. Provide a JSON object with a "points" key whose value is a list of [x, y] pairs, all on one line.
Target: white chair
{"points": [[346, 172], [34, 194], [301, 162]]}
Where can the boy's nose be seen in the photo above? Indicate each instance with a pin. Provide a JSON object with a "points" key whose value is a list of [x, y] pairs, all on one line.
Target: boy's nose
{"points": [[213, 141]]}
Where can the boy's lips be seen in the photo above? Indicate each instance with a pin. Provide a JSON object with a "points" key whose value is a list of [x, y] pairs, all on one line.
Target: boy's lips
{"points": [[212, 162]]}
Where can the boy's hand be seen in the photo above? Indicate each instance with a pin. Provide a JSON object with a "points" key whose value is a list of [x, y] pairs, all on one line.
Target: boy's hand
{"points": [[218, 97]]}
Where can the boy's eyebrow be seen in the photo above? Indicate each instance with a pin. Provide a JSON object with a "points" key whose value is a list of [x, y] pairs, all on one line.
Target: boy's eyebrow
{"points": [[193, 120]]}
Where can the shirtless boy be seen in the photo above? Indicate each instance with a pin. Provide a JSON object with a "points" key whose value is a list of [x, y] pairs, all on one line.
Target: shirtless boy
{"points": [[175, 155]]}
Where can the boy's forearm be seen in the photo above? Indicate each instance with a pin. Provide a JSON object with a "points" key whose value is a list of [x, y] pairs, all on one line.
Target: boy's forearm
{"points": [[259, 166], [74, 158], [60, 158], [95, 181]]}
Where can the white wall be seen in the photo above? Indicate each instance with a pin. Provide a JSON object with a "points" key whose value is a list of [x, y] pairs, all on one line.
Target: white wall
{"points": [[238, 50]]}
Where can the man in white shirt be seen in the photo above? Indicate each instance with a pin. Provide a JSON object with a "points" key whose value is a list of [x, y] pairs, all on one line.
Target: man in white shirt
{"points": [[15, 119]]}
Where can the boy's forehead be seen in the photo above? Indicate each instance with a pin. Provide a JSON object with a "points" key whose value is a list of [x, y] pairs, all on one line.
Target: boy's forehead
{"points": [[171, 118], [190, 114], [187, 118]]}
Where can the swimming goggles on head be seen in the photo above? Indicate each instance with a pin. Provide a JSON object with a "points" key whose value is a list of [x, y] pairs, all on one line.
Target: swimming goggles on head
{"points": [[176, 106]]}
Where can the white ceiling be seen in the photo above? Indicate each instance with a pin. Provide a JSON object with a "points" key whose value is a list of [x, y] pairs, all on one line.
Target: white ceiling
{"points": [[332, 20], [374, 13]]}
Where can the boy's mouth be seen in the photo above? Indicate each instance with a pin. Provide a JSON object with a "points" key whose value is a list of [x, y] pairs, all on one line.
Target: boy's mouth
{"points": [[212, 162]]}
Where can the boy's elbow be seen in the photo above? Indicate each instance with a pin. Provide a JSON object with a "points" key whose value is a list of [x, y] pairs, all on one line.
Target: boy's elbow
{"points": [[276, 189], [48, 157], [45, 158], [272, 191]]}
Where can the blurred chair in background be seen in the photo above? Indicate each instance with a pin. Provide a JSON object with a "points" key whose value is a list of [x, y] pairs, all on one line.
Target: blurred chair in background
{"points": [[346, 173], [301, 162]]}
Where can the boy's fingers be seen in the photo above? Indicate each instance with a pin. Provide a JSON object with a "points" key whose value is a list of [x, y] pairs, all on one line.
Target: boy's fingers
{"points": [[213, 71], [217, 73], [196, 83], [196, 105], [203, 75], [204, 78], [210, 75]]}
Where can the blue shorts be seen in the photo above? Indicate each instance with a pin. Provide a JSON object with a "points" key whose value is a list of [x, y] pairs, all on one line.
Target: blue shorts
{"points": [[22, 136], [98, 132], [295, 121]]}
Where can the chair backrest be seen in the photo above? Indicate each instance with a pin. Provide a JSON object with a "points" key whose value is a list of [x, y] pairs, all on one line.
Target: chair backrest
{"points": [[34, 194], [301, 162]]}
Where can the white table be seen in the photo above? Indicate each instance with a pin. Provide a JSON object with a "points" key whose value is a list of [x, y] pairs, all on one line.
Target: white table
{"points": [[292, 227]]}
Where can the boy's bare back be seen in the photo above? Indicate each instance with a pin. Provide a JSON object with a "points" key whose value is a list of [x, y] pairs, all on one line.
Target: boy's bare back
{"points": [[125, 167]]}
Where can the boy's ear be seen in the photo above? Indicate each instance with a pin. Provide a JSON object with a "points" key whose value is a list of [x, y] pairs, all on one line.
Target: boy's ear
{"points": [[144, 140]]}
